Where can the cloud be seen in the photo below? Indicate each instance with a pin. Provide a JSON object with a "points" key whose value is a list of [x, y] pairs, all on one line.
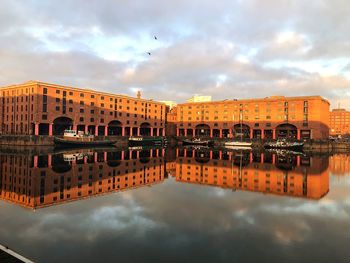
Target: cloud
{"points": [[230, 49]]}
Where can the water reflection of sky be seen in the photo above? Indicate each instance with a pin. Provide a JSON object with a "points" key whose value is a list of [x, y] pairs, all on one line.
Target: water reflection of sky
{"points": [[178, 222]]}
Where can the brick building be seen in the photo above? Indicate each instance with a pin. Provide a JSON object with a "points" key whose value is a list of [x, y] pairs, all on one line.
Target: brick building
{"points": [[267, 118], [37, 108], [339, 122]]}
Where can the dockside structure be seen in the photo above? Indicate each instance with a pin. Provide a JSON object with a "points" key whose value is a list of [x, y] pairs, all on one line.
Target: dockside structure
{"points": [[267, 118], [38, 108]]}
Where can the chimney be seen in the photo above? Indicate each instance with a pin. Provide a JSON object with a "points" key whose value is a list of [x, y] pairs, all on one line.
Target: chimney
{"points": [[138, 94]]}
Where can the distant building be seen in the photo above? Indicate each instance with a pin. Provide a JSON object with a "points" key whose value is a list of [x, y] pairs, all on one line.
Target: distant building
{"points": [[169, 103], [267, 118], [198, 98], [339, 122]]}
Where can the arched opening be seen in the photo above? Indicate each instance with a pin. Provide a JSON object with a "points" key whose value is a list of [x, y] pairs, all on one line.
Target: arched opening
{"points": [[60, 124], [286, 131], [202, 130], [59, 165], [115, 128], [241, 131], [43, 129], [91, 129], [145, 129]]}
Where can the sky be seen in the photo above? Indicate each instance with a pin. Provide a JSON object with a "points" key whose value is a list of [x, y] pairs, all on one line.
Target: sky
{"points": [[227, 49]]}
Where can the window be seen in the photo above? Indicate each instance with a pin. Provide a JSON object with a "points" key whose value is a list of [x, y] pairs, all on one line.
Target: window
{"points": [[44, 117], [92, 120], [57, 108], [45, 90], [70, 101], [57, 99], [81, 110], [81, 102], [92, 111], [82, 95], [92, 96], [81, 119], [57, 91], [70, 93], [70, 109]]}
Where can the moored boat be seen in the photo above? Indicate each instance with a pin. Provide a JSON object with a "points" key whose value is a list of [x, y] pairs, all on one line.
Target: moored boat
{"points": [[197, 141], [284, 144], [238, 145], [72, 138], [147, 141]]}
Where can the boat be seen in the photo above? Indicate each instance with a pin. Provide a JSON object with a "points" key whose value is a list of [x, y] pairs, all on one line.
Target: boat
{"points": [[147, 141], [238, 145], [72, 138], [284, 144], [197, 141]]}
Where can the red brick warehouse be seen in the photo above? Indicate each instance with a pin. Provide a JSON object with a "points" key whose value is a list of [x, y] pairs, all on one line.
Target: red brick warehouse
{"points": [[37, 108]]}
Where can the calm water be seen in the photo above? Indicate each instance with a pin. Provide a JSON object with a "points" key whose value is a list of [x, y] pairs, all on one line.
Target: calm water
{"points": [[176, 205]]}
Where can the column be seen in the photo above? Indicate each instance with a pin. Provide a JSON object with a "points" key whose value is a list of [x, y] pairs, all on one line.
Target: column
{"points": [[138, 131], [262, 134], [123, 131], [298, 134], [261, 158], [230, 132], [220, 133], [211, 133], [250, 157], [96, 130], [86, 129], [298, 160], [95, 157], [273, 158], [35, 161], [151, 131], [36, 129], [75, 127], [105, 156], [177, 132], [49, 160], [274, 134], [251, 133], [131, 133], [50, 129], [185, 131], [106, 130], [163, 131]]}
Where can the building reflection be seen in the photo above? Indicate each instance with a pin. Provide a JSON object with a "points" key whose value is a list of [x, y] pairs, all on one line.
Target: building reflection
{"points": [[44, 180], [339, 164], [40, 181], [280, 173]]}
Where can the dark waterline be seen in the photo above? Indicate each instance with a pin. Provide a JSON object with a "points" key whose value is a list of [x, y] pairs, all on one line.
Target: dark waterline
{"points": [[176, 205]]}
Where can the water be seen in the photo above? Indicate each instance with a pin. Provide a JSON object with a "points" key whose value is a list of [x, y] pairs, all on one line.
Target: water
{"points": [[176, 206]]}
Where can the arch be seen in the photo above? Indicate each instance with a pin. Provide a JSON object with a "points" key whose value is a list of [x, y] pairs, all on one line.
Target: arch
{"points": [[60, 124], [59, 165], [241, 131], [115, 128], [145, 129], [202, 130], [286, 130]]}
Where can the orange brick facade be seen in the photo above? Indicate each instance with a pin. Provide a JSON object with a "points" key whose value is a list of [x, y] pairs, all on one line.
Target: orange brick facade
{"points": [[339, 122], [37, 108], [268, 118], [39, 181]]}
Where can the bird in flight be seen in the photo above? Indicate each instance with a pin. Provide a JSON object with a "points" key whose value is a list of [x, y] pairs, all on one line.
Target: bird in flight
{"points": [[149, 53], [155, 38]]}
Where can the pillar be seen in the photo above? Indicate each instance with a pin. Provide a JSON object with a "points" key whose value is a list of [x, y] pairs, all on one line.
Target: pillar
{"points": [[298, 160], [262, 134], [273, 158], [86, 129], [106, 130], [250, 157], [230, 133], [122, 155], [123, 131], [138, 155], [50, 129], [211, 133], [262, 158], [49, 160], [35, 161], [185, 131], [151, 131], [274, 134], [220, 133], [75, 127], [251, 133], [138, 131], [298, 134], [131, 132], [36, 129], [96, 130], [95, 157], [163, 132], [105, 156]]}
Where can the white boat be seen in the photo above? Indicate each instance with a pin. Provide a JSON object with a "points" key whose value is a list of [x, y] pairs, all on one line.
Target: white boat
{"points": [[238, 145]]}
